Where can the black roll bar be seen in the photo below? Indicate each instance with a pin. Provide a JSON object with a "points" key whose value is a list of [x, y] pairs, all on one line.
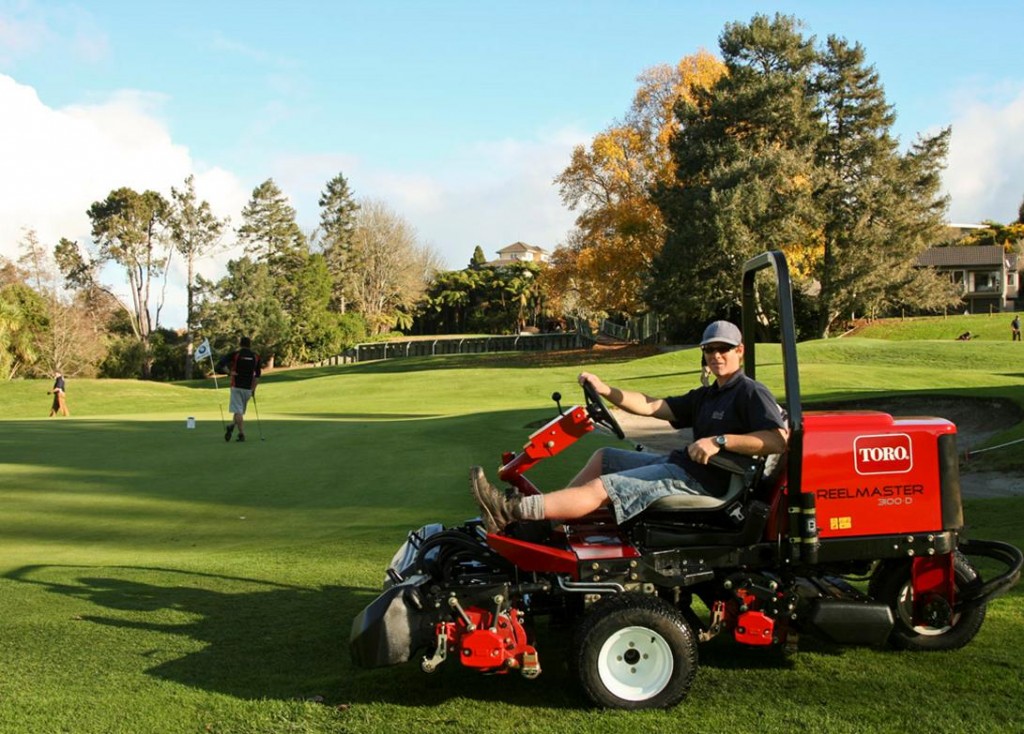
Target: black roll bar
{"points": [[787, 327], [806, 542]]}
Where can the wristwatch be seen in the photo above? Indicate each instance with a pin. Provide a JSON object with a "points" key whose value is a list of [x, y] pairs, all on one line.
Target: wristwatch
{"points": [[720, 441]]}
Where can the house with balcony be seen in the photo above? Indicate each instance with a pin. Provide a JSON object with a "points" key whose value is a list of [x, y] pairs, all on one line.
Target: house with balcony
{"points": [[988, 277]]}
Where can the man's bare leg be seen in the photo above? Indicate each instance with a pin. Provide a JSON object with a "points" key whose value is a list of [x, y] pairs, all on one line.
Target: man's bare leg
{"points": [[590, 471], [575, 502]]}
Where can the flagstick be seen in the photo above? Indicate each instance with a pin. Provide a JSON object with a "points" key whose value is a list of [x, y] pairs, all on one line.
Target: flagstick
{"points": [[216, 387]]}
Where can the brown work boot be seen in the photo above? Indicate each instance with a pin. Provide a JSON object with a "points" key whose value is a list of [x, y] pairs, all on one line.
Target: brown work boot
{"points": [[497, 509]]}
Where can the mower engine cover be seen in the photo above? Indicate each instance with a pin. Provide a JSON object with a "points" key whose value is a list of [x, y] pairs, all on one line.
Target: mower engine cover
{"points": [[872, 474]]}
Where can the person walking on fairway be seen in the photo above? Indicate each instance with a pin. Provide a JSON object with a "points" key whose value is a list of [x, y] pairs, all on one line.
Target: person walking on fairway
{"points": [[1015, 329], [60, 403], [243, 365]]}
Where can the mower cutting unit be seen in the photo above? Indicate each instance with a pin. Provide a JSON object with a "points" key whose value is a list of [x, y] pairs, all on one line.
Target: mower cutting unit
{"points": [[853, 535]]}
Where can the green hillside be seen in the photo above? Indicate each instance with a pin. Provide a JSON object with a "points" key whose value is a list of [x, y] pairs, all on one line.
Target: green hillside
{"points": [[988, 327]]}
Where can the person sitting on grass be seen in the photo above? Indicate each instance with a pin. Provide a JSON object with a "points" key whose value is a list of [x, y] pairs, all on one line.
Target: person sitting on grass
{"points": [[734, 412]]}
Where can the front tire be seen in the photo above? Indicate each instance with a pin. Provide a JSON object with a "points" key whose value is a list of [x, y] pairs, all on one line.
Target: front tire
{"points": [[634, 651], [891, 584]]}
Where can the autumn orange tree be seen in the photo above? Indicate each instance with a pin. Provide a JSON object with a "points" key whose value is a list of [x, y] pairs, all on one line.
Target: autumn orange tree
{"points": [[1008, 236], [602, 266]]}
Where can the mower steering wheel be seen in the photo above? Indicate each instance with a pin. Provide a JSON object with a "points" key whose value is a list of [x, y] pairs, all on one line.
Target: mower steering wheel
{"points": [[599, 413]]}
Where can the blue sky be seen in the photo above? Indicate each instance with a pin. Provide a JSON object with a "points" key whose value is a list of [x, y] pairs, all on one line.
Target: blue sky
{"points": [[457, 114]]}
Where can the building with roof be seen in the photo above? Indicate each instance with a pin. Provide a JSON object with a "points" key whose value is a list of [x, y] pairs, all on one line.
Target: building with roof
{"points": [[956, 230], [520, 252], [988, 276]]}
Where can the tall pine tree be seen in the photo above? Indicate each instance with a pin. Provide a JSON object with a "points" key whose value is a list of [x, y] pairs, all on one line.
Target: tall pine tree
{"points": [[301, 282], [879, 208], [744, 183], [195, 233], [337, 223], [792, 150], [269, 230]]}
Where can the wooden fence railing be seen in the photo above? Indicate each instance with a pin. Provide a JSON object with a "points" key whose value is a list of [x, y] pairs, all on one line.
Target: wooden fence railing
{"points": [[456, 345], [642, 329]]}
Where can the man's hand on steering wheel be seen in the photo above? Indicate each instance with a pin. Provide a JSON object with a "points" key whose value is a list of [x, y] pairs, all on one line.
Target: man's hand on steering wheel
{"points": [[593, 388], [600, 387]]}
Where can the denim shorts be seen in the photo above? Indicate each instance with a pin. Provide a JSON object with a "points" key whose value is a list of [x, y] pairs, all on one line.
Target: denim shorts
{"points": [[635, 479]]}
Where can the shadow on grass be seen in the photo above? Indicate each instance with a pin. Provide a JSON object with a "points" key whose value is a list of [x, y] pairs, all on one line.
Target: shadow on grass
{"points": [[259, 639], [252, 640], [264, 640]]}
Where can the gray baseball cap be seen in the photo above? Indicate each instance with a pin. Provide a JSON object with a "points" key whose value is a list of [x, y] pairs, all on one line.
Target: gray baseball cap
{"points": [[722, 332]]}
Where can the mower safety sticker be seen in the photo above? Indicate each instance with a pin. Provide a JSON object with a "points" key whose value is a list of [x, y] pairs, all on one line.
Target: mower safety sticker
{"points": [[888, 453], [840, 523]]}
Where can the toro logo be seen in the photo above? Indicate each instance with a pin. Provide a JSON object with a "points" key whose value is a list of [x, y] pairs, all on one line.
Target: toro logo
{"points": [[883, 454]]}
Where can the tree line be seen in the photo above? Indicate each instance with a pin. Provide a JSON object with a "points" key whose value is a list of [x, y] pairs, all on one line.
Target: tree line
{"points": [[781, 142], [301, 296]]}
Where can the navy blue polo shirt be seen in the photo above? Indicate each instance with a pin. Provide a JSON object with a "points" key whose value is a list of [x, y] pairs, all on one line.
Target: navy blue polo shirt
{"points": [[742, 405]]}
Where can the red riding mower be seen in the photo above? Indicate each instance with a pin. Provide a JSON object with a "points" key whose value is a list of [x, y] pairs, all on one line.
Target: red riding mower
{"points": [[853, 535]]}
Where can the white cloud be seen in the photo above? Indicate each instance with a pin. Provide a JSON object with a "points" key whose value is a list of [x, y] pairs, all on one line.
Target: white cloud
{"points": [[985, 177], [490, 193], [68, 32], [59, 161], [502, 193], [20, 36]]}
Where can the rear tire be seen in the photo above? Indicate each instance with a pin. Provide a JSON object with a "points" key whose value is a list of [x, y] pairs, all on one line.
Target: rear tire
{"points": [[891, 584], [634, 651]]}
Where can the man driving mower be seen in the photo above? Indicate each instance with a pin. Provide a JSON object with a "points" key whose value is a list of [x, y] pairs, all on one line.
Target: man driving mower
{"points": [[734, 412]]}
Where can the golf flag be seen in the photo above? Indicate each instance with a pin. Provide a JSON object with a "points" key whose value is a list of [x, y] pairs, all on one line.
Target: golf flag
{"points": [[203, 351]]}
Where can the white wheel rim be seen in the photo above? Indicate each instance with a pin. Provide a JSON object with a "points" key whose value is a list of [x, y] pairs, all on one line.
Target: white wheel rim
{"points": [[635, 663], [905, 610]]}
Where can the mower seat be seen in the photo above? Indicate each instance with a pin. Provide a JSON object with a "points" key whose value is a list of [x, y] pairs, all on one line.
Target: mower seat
{"points": [[735, 519], [746, 472], [687, 502]]}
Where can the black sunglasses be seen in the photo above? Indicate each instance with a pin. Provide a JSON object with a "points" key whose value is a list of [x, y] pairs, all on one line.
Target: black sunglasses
{"points": [[716, 348]]}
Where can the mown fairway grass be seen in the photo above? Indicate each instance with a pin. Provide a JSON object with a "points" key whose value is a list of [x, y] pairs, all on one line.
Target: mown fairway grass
{"points": [[156, 579]]}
